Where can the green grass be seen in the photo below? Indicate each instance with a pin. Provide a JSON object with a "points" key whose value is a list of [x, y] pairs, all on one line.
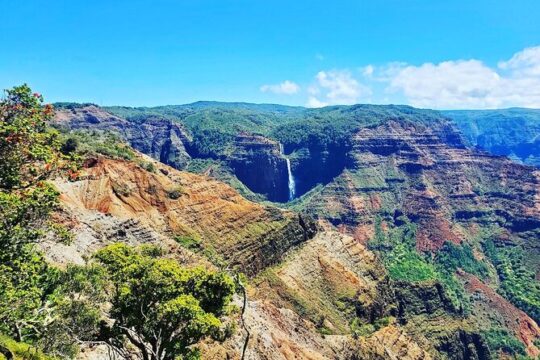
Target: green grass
{"points": [[188, 242]]}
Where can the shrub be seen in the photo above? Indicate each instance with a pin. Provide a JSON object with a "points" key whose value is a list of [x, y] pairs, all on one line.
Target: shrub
{"points": [[70, 145], [148, 166], [121, 189], [499, 340], [188, 242], [175, 193]]}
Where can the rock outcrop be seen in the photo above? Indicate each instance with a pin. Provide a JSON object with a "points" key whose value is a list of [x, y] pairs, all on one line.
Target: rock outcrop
{"points": [[258, 163], [427, 175], [174, 203], [164, 140]]}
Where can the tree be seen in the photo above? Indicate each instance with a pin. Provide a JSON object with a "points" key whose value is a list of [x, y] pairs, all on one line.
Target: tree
{"points": [[158, 306], [28, 147], [28, 152]]}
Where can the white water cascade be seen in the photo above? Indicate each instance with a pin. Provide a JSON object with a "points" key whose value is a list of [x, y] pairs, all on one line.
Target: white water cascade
{"points": [[291, 183]]}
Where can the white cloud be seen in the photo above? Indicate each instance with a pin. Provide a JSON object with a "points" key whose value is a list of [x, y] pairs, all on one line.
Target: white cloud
{"points": [[286, 87], [467, 83], [367, 71], [313, 102], [524, 63], [336, 87]]}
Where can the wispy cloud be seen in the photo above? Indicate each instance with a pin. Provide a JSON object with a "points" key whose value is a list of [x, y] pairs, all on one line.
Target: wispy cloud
{"points": [[468, 84], [451, 84], [286, 87], [336, 87]]}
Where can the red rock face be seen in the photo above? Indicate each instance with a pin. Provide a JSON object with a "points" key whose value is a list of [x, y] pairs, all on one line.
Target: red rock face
{"points": [[523, 327], [427, 174]]}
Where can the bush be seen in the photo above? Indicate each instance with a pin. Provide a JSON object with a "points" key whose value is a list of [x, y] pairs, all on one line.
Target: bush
{"points": [[70, 145], [517, 282], [148, 166], [499, 340], [188, 242], [175, 193], [121, 189], [168, 307]]}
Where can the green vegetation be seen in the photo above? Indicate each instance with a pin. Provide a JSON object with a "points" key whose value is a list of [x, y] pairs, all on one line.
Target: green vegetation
{"points": [[148, 166], [215, 125], [360, 328], [82, 144], [517, 282], [188, 242], [499, 340], [397, 246], [406, 264], [175, 193], [27, 145], [121, 296], [510, 132], [158, 306], [195, 244], [27, 155], [19, 351], [452, 257]]}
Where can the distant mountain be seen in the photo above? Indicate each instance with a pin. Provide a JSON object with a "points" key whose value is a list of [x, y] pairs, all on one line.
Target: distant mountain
{"points": [[510, 132]]}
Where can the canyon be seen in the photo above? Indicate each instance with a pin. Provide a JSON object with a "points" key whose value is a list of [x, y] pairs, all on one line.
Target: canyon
{"points": [[366, 232]]}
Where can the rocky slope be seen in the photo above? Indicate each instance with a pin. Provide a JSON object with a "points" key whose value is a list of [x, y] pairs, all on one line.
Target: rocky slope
{"points": [[444, 188], [307, 291], [178, 204], [423, 176], [162, 139], [258, 163]]}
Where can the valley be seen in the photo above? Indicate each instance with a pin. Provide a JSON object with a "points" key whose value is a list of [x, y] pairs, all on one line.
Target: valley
{"points": [[401, 221], [346, 232]]}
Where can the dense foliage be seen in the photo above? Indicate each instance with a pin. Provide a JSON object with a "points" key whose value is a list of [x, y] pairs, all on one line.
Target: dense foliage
{"points": [[26, 143], [82, 144], [397, 247], [215, 125], [517, 282], [122, 296], [499, 340], [158, 306], [28, 152]]}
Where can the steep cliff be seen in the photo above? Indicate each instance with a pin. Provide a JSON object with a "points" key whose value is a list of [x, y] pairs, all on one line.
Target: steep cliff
{"points": [[431, 232], [184, 205], [509, 132], [413, 170], [160, 138], [258, 163]]}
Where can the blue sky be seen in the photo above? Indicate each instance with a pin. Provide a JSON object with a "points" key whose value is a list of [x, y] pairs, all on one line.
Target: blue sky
{"points": [[440, 54]]}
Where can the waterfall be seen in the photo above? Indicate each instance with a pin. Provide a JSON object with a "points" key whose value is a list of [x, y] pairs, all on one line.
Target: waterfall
{"points": [[290, 177], [292, 185]]}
